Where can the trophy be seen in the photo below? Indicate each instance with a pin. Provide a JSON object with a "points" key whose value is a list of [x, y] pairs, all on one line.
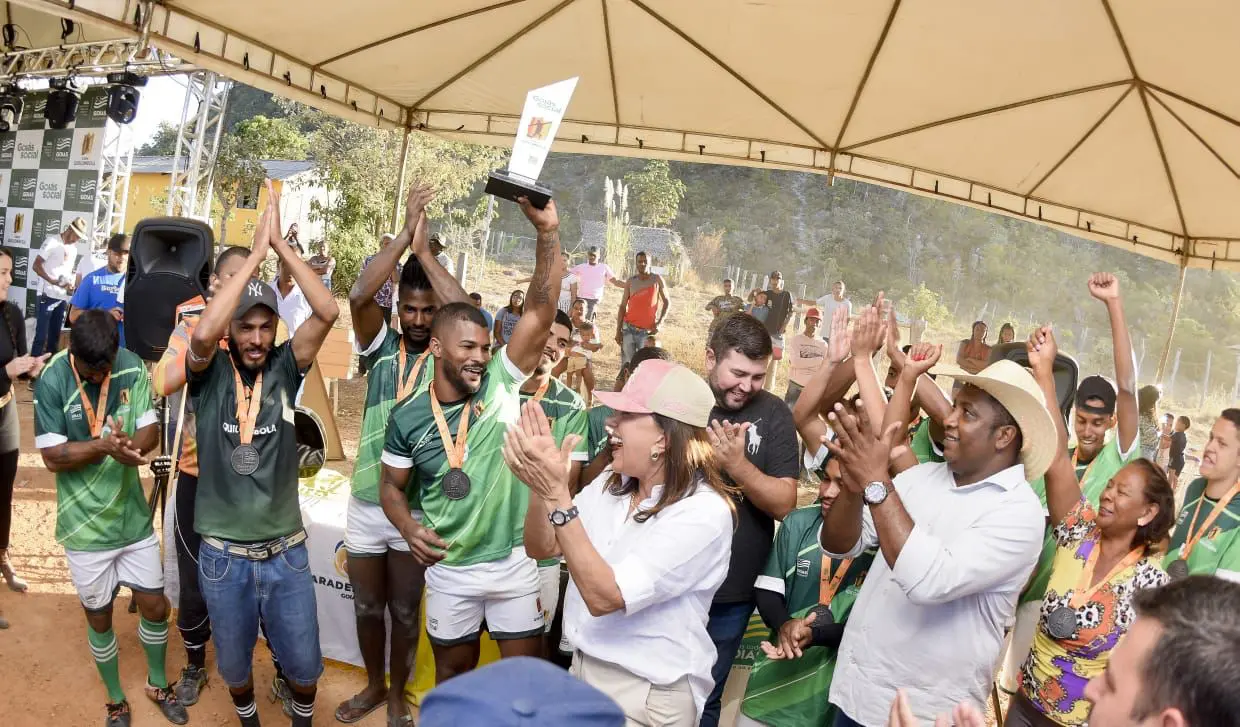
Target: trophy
{"points": [[540, 119]]}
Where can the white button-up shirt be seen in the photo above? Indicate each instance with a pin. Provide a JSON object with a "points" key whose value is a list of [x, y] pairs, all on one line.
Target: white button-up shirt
{"points": [[668, 569], [933, 625], [294, 308]]}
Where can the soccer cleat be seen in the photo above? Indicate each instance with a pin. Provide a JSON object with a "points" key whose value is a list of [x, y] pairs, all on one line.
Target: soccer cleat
{"points": [[118, 715], [168, 704], [189, 687]]}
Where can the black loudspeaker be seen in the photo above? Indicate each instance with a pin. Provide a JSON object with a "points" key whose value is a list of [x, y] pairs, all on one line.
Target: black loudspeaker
{"points": [[1066, 371], [169, 263]]}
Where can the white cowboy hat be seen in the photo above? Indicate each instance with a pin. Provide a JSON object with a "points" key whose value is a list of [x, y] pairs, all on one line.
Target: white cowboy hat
{"points": [[1015, 388]]}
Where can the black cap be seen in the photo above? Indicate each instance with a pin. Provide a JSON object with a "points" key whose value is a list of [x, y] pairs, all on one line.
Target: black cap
{"points": [[256, 293], [1096, 387]]}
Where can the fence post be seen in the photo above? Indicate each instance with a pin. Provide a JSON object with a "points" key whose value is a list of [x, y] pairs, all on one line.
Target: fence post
{"points": [[1141, 360], [1205, 382], [462, 265], [1235, 388], [1175, 369]]}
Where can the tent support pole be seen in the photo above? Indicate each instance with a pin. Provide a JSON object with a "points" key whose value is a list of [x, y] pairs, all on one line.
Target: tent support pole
{"points": [[1175, 317], [398, 216]]}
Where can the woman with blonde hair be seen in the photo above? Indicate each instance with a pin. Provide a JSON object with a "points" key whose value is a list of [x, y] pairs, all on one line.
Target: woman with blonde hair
{"points": [[647, 543]]}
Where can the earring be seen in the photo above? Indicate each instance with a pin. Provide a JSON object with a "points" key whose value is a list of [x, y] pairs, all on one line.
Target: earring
{"points": [[654, 455]]}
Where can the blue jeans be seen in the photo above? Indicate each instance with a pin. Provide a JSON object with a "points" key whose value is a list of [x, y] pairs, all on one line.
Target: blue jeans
{"points": [[727, 629], [843, 720], [633, 339], [238, 591], [49, 321]]}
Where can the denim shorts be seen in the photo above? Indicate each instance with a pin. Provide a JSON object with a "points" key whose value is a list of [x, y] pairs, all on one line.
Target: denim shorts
{"points": [[237, 590]]}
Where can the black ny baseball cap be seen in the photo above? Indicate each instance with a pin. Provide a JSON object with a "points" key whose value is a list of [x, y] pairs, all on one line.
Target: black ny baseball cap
{"points": [[256, 293]]}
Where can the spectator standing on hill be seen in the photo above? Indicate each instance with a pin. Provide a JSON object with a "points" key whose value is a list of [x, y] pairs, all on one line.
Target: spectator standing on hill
{"points": [[592, 277], [828, 303]]}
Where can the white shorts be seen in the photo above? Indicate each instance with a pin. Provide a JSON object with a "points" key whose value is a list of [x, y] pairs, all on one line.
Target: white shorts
{"points": [[98, 574], [369, 532], [549, 590], [1019, 644], [504, 592]]}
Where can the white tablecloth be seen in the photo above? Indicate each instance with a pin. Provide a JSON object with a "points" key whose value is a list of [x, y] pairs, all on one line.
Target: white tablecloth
{"points": [[324, 504]]}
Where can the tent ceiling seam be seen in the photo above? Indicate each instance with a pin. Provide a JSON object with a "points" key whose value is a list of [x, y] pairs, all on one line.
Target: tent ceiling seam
{"points": [[1162, 154], [611, 64], [865, 76], [1194, 104], [416, 30], [1196, 136], [730, 71], [490, 54], [1072, 150], [996, 109]]}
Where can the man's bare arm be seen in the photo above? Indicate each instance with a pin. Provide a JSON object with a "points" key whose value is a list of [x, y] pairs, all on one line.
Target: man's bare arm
{"points": [[529, 337]]}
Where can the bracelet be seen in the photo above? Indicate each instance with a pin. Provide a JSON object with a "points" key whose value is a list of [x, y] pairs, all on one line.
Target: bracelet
{"points": [[195, 358]]}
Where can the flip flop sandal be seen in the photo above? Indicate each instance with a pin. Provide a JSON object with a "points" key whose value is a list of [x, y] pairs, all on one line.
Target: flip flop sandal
{"points": [[405, 720], [359, 708]]}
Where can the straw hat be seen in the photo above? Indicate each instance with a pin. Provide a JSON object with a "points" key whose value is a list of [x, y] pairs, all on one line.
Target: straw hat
{"points": [[1014, 387], [78, 225]]}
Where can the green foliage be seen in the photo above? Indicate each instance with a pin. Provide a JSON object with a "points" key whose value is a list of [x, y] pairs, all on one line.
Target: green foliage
{"points": [[926, 305], [656, 193], [239, 169], [350, 247], [246, 102], [162, 143]]}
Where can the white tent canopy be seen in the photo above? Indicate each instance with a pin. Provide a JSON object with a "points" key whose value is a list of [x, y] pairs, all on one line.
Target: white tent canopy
{"points": [[1113, 120]]}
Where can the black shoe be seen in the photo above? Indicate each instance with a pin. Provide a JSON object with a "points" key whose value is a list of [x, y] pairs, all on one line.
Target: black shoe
{"points": [[118, 715], [188, 688], [280, 690], [167, 701]]}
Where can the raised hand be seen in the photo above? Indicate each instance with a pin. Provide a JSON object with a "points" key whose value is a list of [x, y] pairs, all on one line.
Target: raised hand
{"points": [[864, 454], [868, 333], [839, 342], [544, 220], [920, 359], [893, 340], [420, 195], [1042, 348], [419, 241], [262, 233], [1104, 287]]}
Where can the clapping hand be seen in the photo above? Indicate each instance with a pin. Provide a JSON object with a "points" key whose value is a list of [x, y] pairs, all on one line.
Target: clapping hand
{"points": [[728, 439], [262, 231], [531, 452], [117, 445], [794, 636], [420, 195], [25, 366], [869, 331], [864, 454], [839, 343], [964, 715]]}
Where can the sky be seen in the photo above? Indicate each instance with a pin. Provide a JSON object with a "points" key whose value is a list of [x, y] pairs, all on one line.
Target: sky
{"points": [[163, 98]]}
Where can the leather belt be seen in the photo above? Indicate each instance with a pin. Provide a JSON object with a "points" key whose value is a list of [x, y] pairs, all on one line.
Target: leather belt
{"points": [[258, 551]]}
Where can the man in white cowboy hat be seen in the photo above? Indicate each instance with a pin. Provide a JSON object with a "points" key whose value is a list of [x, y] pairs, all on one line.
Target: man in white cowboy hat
{"points": [[54, 265], [958, 540]]}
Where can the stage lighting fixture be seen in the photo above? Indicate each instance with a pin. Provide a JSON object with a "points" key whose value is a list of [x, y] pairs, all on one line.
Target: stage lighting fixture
{"points": [[123, 96], [11, 105], [62, 103]]}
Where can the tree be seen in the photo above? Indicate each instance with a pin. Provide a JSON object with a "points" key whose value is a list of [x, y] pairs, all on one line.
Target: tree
{"points": [[656, 193], [162, 143], [239, 166]]}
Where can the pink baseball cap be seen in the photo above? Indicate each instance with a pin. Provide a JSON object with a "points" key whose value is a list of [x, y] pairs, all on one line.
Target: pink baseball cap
{"points": [[663, 387]]}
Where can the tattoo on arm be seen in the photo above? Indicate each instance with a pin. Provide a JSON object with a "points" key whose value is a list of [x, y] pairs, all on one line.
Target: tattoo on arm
{"points": [[540, 283]]}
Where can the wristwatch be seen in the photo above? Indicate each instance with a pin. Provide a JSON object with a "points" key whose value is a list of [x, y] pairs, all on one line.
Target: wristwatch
{"points": [[876, 492], [560, 518]]}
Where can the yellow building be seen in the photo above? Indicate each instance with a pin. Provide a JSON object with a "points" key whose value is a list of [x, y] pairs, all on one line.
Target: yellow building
{"points": [[293, 180]]}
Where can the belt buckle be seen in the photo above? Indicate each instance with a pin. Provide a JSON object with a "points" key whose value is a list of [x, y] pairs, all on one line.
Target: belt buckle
{"points": [[262, 553]]}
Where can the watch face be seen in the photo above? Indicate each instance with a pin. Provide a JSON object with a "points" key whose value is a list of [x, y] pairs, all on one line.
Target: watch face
{"points": [[875, 492], [557, 518]]}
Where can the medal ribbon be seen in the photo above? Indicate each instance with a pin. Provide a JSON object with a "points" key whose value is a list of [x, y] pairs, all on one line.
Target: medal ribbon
{"points": [[1082, 592], [93, 418], [1191, 541], [247, 413], [828, 584], [542, 389], [405, 386], [454, 450]]}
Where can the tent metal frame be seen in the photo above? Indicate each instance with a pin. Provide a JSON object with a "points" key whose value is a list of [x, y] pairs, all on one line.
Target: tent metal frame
{"points": [[190, 191], [238, 56], [112, 195]]}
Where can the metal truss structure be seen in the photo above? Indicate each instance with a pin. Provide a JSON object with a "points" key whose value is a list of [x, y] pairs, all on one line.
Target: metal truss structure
{"points": [[89, 59], [198, 144], [112, 196]]}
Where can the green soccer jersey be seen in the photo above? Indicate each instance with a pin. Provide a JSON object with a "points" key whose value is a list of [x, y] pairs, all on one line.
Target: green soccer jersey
{"points": [[923, 446], [100, 506], [489, 521], [381, 384], [598, 428], [1218, 550], [263, 505], [567, 413], [1093, 477], [795, 693]]}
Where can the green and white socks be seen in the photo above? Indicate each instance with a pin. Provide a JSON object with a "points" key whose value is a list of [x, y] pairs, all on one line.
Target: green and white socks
{"points": [[103, 646], [154, 638]]}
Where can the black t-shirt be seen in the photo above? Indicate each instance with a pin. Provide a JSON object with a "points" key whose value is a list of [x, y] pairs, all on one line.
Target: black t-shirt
{"points": [[12, 340], [771, 446], [1179, 441], [781, 306], [263, 505]]}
